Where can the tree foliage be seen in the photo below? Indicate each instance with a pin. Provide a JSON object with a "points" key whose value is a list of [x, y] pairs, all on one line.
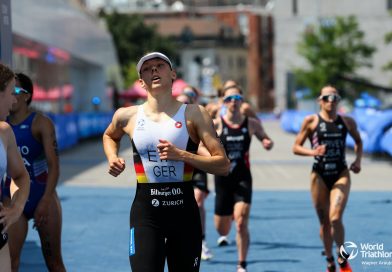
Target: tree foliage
{"points": [[388, 40], [132, 39], [332, 48]]}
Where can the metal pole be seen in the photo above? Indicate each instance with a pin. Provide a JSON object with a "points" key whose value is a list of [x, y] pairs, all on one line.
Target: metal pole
{"points": [[5, 32]]}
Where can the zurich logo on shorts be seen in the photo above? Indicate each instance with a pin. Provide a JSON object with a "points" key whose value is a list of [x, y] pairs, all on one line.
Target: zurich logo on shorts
{"points": [[155, 202]]}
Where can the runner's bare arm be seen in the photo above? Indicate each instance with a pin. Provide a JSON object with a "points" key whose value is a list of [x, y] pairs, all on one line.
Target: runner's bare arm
{"points": [[247, 110], [44, 130], [306, 130], [111, 140], [358, 147], [47, 133], [259, 132], [202, 150]]}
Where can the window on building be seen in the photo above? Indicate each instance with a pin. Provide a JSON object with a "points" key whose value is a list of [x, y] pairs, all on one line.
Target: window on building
{"points": [[217, 60], [295, 7], [241, 63], [389, 5], [230, 61]]}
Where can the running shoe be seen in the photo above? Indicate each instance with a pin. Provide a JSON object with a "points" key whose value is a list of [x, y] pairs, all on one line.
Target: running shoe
{"points": [[345, 267], [223, 241], [331, 267], [240, 269], [205, 252]]}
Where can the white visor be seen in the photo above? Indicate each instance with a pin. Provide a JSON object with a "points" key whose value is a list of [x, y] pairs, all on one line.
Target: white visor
{"points": [[152, 55]]}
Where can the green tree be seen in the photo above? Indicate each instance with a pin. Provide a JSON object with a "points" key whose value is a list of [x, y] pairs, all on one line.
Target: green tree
{"points": [[332, 48], [132, 39], [388, 40]]}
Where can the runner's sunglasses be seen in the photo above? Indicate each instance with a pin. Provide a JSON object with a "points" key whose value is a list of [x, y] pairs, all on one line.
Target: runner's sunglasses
{"points": [[330, 98], [19, 90], [235, 97]]}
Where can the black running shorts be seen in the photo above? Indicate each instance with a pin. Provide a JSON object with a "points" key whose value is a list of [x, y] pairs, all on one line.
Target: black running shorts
{"points": [[200, 180], [235, 187], [165, 223]]}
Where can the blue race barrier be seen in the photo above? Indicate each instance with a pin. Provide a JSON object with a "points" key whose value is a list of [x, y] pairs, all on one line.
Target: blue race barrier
{"points": [[70, 128], [291, 120], [386, 142], [66, 129], [92, 124], [372, 126], [286, 119]]}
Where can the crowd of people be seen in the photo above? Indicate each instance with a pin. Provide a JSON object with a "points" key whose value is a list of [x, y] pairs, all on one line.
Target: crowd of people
{"points": [[176, 143]]}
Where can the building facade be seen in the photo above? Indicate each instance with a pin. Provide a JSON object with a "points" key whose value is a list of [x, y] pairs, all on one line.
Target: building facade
{"points": [[67, 52]]}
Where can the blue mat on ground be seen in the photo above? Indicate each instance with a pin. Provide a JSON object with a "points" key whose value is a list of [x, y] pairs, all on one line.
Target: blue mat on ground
{"points": [[283, 226]]}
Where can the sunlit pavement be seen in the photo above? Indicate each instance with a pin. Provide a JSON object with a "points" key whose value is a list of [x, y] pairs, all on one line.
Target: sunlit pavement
{"points": [[283, 225]]}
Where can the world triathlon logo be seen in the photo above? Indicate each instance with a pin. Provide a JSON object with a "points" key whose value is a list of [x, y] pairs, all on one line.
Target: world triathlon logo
{"points": [[349, 250]]}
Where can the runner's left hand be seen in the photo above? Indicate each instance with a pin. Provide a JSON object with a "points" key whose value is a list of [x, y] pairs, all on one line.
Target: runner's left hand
{"points": [[168, 151]]}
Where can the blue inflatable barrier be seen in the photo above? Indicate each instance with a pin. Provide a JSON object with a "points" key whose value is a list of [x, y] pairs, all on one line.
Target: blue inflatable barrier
{"points": [[386, 142], [286, 119], [66, 129], [291, 120], [367, 101], [92, 124], [364, 115], [371, 125], [70, 128]]}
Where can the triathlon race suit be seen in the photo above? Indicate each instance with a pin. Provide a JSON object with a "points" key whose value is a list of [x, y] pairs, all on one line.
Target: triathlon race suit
{"points": [[200, 180], [237, 186], [332, 134], [164, 218], [3, 168], [34, 159]]}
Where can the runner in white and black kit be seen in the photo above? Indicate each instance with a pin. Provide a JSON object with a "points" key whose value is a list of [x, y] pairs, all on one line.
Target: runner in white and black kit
{"points": [[330, 178], [234, 192], [164, 219]]}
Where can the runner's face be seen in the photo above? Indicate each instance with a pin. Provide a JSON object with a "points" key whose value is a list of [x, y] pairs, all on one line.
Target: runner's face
{"points": [[7, 99], [156, 73], [232, 99], [329, 99], [21, 96]]}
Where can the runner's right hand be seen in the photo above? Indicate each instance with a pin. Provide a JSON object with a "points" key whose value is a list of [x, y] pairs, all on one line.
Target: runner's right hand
{"points": [[116, 166], [319, 150]]}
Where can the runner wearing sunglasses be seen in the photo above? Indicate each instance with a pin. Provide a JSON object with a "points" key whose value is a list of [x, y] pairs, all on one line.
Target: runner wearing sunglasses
{"points": [[36, 139], [11, 163], [234, 192], [330, 178], [215, 109]]}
